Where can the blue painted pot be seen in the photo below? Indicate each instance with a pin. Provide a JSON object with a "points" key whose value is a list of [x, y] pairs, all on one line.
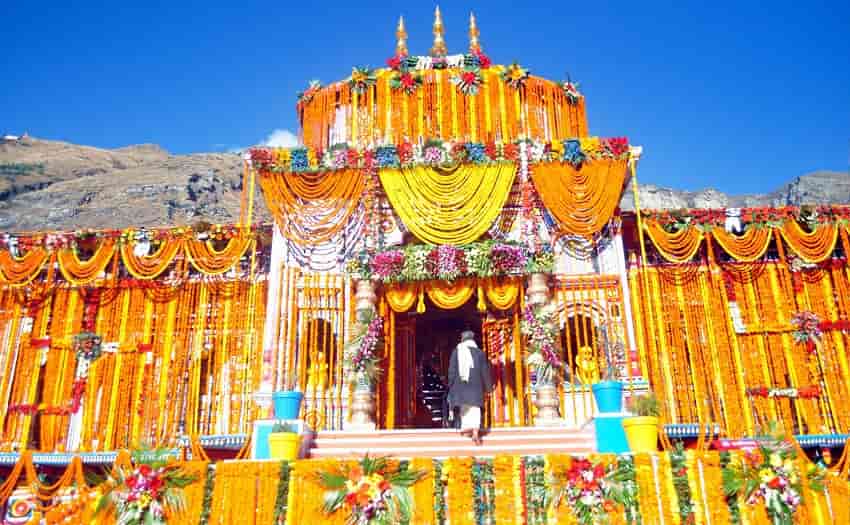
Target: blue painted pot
{"points": [[287, 404], [609, 396]]}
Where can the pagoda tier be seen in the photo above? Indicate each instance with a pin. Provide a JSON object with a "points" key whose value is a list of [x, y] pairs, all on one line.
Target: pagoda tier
{"points": [[419, 102]]}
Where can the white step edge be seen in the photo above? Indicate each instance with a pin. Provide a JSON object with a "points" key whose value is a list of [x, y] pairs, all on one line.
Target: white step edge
{"points": [[322, 442], [449, 451]]}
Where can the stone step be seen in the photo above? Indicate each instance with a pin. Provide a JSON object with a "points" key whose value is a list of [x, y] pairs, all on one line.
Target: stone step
{"points": [[448, 442]]}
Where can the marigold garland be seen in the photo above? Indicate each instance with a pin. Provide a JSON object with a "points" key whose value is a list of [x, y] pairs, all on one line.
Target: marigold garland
{"points": [[583, 200], [454, 206]]}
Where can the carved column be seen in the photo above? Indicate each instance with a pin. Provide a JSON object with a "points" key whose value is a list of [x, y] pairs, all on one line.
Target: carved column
{"points": [[545, 394], [538, 289], [362, 405]]}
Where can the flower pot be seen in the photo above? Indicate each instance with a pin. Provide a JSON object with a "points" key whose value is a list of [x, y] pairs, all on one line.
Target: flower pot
{"points": [[284, 445], [287, 404], [641, 433], [608, 395]]}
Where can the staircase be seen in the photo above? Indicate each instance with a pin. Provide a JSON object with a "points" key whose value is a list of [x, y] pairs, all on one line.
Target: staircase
{"points": [[447, 442]]}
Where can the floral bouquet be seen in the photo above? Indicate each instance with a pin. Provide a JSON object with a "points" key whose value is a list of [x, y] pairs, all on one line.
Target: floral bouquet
{"points": [[592, 490], [807, 329], [446, 262], [361, 353], [406, 81], [387, 266], [541, 331], [478, 259], [507, 259], [515, 75], [468, 80], [87, 345], [149, 494], [362, 78], [770, 475], [373, 492], [571, 91]]}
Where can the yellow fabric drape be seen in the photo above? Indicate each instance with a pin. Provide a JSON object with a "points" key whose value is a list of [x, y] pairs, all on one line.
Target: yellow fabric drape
{"points": [[581, 200], [311, 208], [449, 206], [449, 296], [749, 247], [207, 260], [402, 297], [676, 247], [813, 247], [151, 266], [14, 270], [502, 293], [79, 272]]}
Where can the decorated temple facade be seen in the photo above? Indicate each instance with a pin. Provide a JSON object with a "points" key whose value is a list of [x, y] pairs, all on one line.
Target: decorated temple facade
{"points": [[439, 194], [445, 193]]}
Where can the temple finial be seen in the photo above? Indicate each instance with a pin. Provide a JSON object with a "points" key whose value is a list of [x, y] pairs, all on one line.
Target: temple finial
{"points": [[439, 49], [401, 38], [474, 33]]}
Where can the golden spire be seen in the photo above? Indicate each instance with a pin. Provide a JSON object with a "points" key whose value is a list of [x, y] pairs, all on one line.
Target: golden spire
{"points": [[401, 38], [439, 49], [474, 33]]}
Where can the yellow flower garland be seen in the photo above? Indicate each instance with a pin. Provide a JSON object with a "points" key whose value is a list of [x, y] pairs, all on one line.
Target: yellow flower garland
{"points": [[449, 205]]}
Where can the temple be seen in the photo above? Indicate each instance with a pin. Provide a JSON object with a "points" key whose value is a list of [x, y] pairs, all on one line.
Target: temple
{"points": [[439, 194]]}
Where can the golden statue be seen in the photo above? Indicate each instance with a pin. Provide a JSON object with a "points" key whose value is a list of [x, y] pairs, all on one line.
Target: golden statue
{"points": [[317, 376], [587, 369]]}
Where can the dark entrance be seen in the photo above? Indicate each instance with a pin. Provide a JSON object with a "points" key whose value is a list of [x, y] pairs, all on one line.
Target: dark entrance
{"points": [[435, 334]]}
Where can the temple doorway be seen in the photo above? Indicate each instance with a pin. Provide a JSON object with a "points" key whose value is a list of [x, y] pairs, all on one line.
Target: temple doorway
{"points": [[426, 342]]}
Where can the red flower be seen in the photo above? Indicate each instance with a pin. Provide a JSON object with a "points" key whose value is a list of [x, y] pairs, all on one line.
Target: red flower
{"points": [[132, 481], [145, 470], [351, 499], [405, 151], [369, 159], [511, 151], [394, 62], [618, 145], [384, 485], [598, 471], [776, 483], [407, 80], [469, 77], [261, 156], [483, 60], [351, 157], [490, 150]]}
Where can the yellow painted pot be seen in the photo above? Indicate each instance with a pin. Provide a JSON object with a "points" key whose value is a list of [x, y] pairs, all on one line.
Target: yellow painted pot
{"points": [[284, 445], [641, 433]]}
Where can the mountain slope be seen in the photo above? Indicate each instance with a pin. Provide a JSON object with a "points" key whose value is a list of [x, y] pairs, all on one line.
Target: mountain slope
{"points": [[51, 185]]}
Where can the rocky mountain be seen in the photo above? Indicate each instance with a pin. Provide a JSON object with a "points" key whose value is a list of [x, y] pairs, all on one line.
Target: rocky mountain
{"points": [[51, 185]]}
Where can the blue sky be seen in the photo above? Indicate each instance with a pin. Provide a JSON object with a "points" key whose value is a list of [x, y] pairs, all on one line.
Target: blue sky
{"points": [[741, 96]]}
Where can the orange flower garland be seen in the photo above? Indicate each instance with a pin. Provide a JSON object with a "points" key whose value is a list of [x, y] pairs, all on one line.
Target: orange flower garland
{"points": [[582, 199]]}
